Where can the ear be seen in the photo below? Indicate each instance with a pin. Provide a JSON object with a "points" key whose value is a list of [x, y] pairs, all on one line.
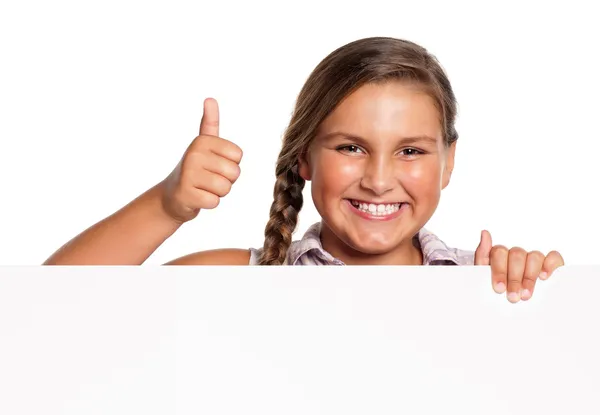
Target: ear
{"points": [[304, 167], [448, 165]]}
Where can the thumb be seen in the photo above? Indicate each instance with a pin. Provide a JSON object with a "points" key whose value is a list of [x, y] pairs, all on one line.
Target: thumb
{"points": [[209, 125], [482, 254]]}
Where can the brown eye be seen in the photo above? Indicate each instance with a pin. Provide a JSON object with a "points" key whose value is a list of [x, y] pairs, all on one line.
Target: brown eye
{"points": [[411, 152], [350, 149]]}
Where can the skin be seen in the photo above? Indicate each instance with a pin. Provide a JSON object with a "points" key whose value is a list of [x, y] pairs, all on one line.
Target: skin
{"points": [[384, 144], [383, 165]]}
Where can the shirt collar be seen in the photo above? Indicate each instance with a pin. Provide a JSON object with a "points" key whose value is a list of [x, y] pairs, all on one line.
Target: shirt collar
{"points": [[310, 250]]}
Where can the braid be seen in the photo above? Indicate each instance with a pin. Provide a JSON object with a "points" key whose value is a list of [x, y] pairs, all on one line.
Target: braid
{"points": [[286, 205]]}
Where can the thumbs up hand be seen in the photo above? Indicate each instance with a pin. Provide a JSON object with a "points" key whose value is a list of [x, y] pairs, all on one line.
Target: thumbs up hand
{"points": [[206, 171]]}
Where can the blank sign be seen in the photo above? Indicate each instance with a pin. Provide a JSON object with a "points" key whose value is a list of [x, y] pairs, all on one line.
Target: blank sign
{"points": [[294, 340]]}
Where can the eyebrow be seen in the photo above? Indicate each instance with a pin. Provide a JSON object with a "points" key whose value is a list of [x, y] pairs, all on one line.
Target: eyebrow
{"points": [[362, 140]]}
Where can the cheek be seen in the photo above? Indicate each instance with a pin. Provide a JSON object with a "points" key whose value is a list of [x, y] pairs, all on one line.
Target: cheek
{"points": [[334, 173], [422, 178]]}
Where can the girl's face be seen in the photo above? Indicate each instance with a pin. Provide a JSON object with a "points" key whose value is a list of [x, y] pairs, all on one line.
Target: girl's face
{"points": [[377, 166]]}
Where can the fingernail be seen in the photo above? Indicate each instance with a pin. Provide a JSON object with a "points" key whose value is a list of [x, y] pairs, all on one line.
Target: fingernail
{"points": [[500, 287], [525, 295], [513, 297], [543, 275]]}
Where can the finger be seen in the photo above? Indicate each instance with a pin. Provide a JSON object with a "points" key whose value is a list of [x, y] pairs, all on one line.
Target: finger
{"points": [[227, 149], [533, 266], [212, 183], [215, 164], [204, 199], [217, 146], [517, 258], [551, 263], [499, 264], [209, 125], [482, 253]]}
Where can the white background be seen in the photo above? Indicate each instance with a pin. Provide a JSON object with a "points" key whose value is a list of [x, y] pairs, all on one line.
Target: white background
{"points": [[99, 100], [335, 340]]}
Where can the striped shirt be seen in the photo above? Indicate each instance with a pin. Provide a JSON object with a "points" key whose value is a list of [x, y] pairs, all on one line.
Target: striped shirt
{"points": [[309, 251]]}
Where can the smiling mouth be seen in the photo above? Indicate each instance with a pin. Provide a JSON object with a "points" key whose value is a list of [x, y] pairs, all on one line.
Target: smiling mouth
{"points": [[376, 209]]}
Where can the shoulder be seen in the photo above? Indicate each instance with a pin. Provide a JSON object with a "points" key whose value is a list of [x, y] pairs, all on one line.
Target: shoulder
{"points": [[294, 252], [437, 252], [463, 256], [215, 257]]}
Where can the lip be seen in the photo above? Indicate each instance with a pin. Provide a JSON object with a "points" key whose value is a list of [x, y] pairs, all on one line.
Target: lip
{"points": [[369, 216], [377, 202]]}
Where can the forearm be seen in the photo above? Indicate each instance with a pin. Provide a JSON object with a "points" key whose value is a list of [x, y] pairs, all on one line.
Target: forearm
{"points": [[127, 237]]}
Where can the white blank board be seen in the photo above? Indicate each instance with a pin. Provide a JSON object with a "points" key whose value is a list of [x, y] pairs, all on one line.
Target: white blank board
{"points": [[297, 340]]}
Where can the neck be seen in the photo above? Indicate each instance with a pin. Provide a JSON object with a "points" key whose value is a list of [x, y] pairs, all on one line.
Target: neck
{"points": [[407, 253]]}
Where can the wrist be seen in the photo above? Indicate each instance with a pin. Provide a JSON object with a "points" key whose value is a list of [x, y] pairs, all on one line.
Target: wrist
{"points": [[164, 211]]}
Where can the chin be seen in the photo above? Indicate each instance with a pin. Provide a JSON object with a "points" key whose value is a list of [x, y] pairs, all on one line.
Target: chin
{"points": [[373, 246]]}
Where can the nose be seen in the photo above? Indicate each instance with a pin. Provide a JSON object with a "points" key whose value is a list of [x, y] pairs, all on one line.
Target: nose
{"points": [[378, 175]]}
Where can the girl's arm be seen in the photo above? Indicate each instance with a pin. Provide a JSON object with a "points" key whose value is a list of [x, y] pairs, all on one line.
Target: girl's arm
{"points": [[204, 175], [127, 237], [132, 234]]}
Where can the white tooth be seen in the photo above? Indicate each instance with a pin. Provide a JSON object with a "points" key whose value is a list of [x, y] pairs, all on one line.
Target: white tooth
{"points": [[380, 208], [364, 206], [372, 208], [388, 208]]}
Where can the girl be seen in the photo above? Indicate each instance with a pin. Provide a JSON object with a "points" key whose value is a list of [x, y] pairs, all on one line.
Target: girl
{"points": [[373, 129]]}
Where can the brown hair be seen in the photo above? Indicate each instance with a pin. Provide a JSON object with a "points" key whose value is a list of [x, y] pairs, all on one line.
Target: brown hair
{"points": [[370, 60]]}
